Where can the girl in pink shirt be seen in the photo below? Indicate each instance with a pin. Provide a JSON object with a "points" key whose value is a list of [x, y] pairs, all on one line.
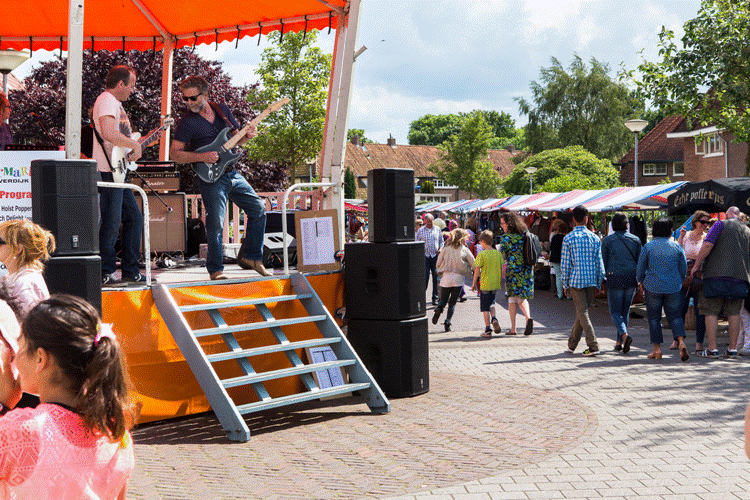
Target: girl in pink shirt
{"points": [[75, 444]]}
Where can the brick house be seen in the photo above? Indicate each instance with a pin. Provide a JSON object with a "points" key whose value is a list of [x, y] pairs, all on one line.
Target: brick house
{"points": [[363, 157], [714, 156]]}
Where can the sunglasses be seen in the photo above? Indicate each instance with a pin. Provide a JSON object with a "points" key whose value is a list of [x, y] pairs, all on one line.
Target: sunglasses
{"points": [[192, 97]]}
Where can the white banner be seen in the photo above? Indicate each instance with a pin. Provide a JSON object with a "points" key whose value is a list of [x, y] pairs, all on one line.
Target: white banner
{"points": [[15, 181]]}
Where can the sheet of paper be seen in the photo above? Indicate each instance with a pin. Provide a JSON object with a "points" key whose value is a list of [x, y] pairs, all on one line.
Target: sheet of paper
{"points": [[317, 241]]}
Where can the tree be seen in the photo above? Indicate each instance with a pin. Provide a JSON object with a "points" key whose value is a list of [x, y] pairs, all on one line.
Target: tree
{"points": [[708, 80], [359, 133], [560, 170], [45, 97], [428, 187], [581, 106], [433, 130], [350, 184], [463, 160], [296, 69]]}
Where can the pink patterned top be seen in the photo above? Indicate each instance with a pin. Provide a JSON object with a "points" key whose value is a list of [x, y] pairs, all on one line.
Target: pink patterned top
{"points": [[47, 453]]}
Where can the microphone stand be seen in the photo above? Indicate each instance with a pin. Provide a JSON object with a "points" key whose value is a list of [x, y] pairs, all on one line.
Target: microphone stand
{"points": [[145, 182], [44, 129]]}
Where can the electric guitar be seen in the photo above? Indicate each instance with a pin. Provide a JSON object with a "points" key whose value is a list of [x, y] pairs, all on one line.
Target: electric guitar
{"points": [[121, 163], [225, 146]]}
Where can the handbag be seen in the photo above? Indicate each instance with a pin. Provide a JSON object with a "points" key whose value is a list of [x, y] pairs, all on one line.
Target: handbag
{"points": [[694, 283]]}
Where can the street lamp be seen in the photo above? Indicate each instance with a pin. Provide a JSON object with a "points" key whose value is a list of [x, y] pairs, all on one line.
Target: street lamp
{"points": [[10, 60], [636, 126], [531, 171]]}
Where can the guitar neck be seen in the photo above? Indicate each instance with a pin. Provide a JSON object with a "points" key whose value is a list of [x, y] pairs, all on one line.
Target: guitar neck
{"points": [[232, 142], [150, 137]]}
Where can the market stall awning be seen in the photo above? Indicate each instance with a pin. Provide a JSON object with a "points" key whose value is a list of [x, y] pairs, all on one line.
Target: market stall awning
{"points": [[143, 24], [713, 196], [522, 202], [566, 200]]}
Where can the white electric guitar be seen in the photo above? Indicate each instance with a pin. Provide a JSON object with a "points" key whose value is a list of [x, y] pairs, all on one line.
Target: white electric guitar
{"points": [[121, 163]]}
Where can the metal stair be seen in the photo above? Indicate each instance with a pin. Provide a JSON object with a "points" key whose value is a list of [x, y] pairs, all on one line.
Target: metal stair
{"points": [[215, 389]]}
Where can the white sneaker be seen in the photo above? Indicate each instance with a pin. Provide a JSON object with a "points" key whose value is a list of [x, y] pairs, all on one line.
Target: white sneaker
{"points": [[744, 352]]}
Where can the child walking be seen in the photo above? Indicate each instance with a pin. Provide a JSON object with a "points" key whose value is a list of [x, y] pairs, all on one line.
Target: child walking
{"points": [[488, 265]]}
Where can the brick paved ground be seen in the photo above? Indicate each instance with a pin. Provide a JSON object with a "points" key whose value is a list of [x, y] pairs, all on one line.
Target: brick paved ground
{"points": [[507, 418]]}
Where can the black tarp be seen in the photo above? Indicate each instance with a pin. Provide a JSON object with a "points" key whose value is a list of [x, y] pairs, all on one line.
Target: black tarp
{"points": [[712, 196]]}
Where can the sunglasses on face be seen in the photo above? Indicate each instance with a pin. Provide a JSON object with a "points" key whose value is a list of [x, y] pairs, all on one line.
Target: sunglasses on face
{"points": [[192, 97], [703, 221]]}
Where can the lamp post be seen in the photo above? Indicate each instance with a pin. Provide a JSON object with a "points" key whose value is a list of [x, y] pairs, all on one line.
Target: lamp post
{"points": [[636, 126], [531, 171], [10, 60]]}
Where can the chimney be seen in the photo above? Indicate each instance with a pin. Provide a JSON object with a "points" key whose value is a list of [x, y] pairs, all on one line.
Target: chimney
{"points": [[511, 148], [391, 141], [355, 140]]}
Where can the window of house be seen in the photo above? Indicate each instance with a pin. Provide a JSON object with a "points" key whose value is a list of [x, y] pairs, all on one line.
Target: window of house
{"points": [[711, 145], [438, 183], [678, 168], [654, 169]]}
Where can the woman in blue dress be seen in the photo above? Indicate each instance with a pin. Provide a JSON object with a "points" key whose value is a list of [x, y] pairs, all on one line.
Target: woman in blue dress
{"points": [[519, 277]]}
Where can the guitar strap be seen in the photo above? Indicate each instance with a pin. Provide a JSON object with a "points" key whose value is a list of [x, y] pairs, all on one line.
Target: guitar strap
{"points": [[218, 111], [101, 143]]}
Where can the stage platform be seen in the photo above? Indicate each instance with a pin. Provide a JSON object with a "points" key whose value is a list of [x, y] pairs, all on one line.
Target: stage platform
{"points": [[163, 384]]}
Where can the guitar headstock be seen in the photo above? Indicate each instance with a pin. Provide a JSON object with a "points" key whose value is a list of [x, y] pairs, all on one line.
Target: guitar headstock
{"points": [[168, 122], [278, 104]]}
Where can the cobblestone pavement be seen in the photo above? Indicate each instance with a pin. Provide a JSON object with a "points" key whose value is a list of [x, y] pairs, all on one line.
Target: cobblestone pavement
{"points": [[506, 418]]}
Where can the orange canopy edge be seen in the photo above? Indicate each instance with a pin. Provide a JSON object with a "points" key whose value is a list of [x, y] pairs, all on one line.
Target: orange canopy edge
{"points": [[143, 24]]}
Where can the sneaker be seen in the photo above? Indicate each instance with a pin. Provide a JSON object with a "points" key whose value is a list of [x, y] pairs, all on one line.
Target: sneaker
{"points": [[618, 347], [436, 315], [570, 351], [589, 352], [138, 278], [708, 353], [744, 352], [731, 353], [110, 280], [495, 325], [447, 326]]}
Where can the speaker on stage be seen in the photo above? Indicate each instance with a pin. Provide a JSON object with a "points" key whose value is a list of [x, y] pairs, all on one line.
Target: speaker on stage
{"points": [[64, 201], [274, 222], [395, 353], [273, 249], [79, 275], [390, 204], [384, 280], [167, 225]]}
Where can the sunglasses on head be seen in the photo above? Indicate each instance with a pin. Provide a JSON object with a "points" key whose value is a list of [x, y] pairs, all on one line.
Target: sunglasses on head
{"points": [[192, 97]]}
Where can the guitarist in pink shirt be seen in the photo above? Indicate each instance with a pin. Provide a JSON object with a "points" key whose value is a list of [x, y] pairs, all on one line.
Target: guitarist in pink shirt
{"points": [[199, 139]]}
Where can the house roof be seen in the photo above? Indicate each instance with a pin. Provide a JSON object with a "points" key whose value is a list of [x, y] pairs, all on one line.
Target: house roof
{"points": [[656, 146], [365, 157]]}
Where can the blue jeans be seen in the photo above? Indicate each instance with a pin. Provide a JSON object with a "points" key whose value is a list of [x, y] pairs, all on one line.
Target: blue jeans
{"points": [[700, 319], [233, 186], [558, 279], [118, 206], [619, 300], [430, 268], [672, 304]]}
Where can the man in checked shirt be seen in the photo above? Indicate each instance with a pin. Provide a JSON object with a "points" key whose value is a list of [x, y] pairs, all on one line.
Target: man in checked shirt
{"points": [[582, 274], [433, 243]]}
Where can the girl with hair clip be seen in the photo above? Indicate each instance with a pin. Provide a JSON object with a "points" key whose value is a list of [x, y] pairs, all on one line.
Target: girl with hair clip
{"points": [[75, 444], [23, 248]]}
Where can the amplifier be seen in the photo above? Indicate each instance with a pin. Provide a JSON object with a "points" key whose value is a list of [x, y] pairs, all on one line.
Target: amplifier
{"points": [[159, 181]]}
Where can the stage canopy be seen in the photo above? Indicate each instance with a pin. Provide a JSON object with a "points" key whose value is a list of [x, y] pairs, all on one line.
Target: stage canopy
{"points": [[144, 24], [713, 196], [602, 200]]}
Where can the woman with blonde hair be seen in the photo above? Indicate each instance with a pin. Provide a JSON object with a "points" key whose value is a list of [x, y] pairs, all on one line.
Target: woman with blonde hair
{"points": [[455, 261], [23, 248]]}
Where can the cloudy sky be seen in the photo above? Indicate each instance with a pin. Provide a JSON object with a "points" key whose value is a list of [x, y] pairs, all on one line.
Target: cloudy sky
{"points": [[446, 56]]}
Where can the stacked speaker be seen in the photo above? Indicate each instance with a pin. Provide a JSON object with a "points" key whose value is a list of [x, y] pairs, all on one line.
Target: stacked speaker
{"points": [[64, 201], [384, 288]]}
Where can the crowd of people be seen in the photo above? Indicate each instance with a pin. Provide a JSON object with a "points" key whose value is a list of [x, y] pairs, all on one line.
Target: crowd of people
{"points": [[706, 270]]}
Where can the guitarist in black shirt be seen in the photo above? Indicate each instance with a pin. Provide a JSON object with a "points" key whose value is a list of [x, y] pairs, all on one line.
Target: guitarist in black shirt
{"points": [[200, 127]]}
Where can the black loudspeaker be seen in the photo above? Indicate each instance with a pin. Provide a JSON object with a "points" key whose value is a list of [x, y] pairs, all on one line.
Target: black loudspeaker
{"points": [[167, 225], [274, 222], [390, 204], [384, 280], [273, 249], [395, 353], [76, 275], [64, 201]]}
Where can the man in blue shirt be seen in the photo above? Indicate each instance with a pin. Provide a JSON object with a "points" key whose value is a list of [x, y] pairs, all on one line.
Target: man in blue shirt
{"points": [[433, 243], [582, 274]]}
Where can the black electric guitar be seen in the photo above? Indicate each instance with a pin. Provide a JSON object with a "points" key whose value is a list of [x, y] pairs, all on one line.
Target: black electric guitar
{"points": [[225, 146], [121, 163]]}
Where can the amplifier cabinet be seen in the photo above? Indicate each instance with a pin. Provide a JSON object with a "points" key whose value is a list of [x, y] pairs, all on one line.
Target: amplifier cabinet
{"points": [[168, 228]]}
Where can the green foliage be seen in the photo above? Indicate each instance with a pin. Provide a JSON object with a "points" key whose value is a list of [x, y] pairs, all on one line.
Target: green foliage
{"points": [[359, 133], [433, 130], [296, 69], [581, 106], [560, 170], [708, 80], [350, 184], [463, 160], [428, 187]]}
